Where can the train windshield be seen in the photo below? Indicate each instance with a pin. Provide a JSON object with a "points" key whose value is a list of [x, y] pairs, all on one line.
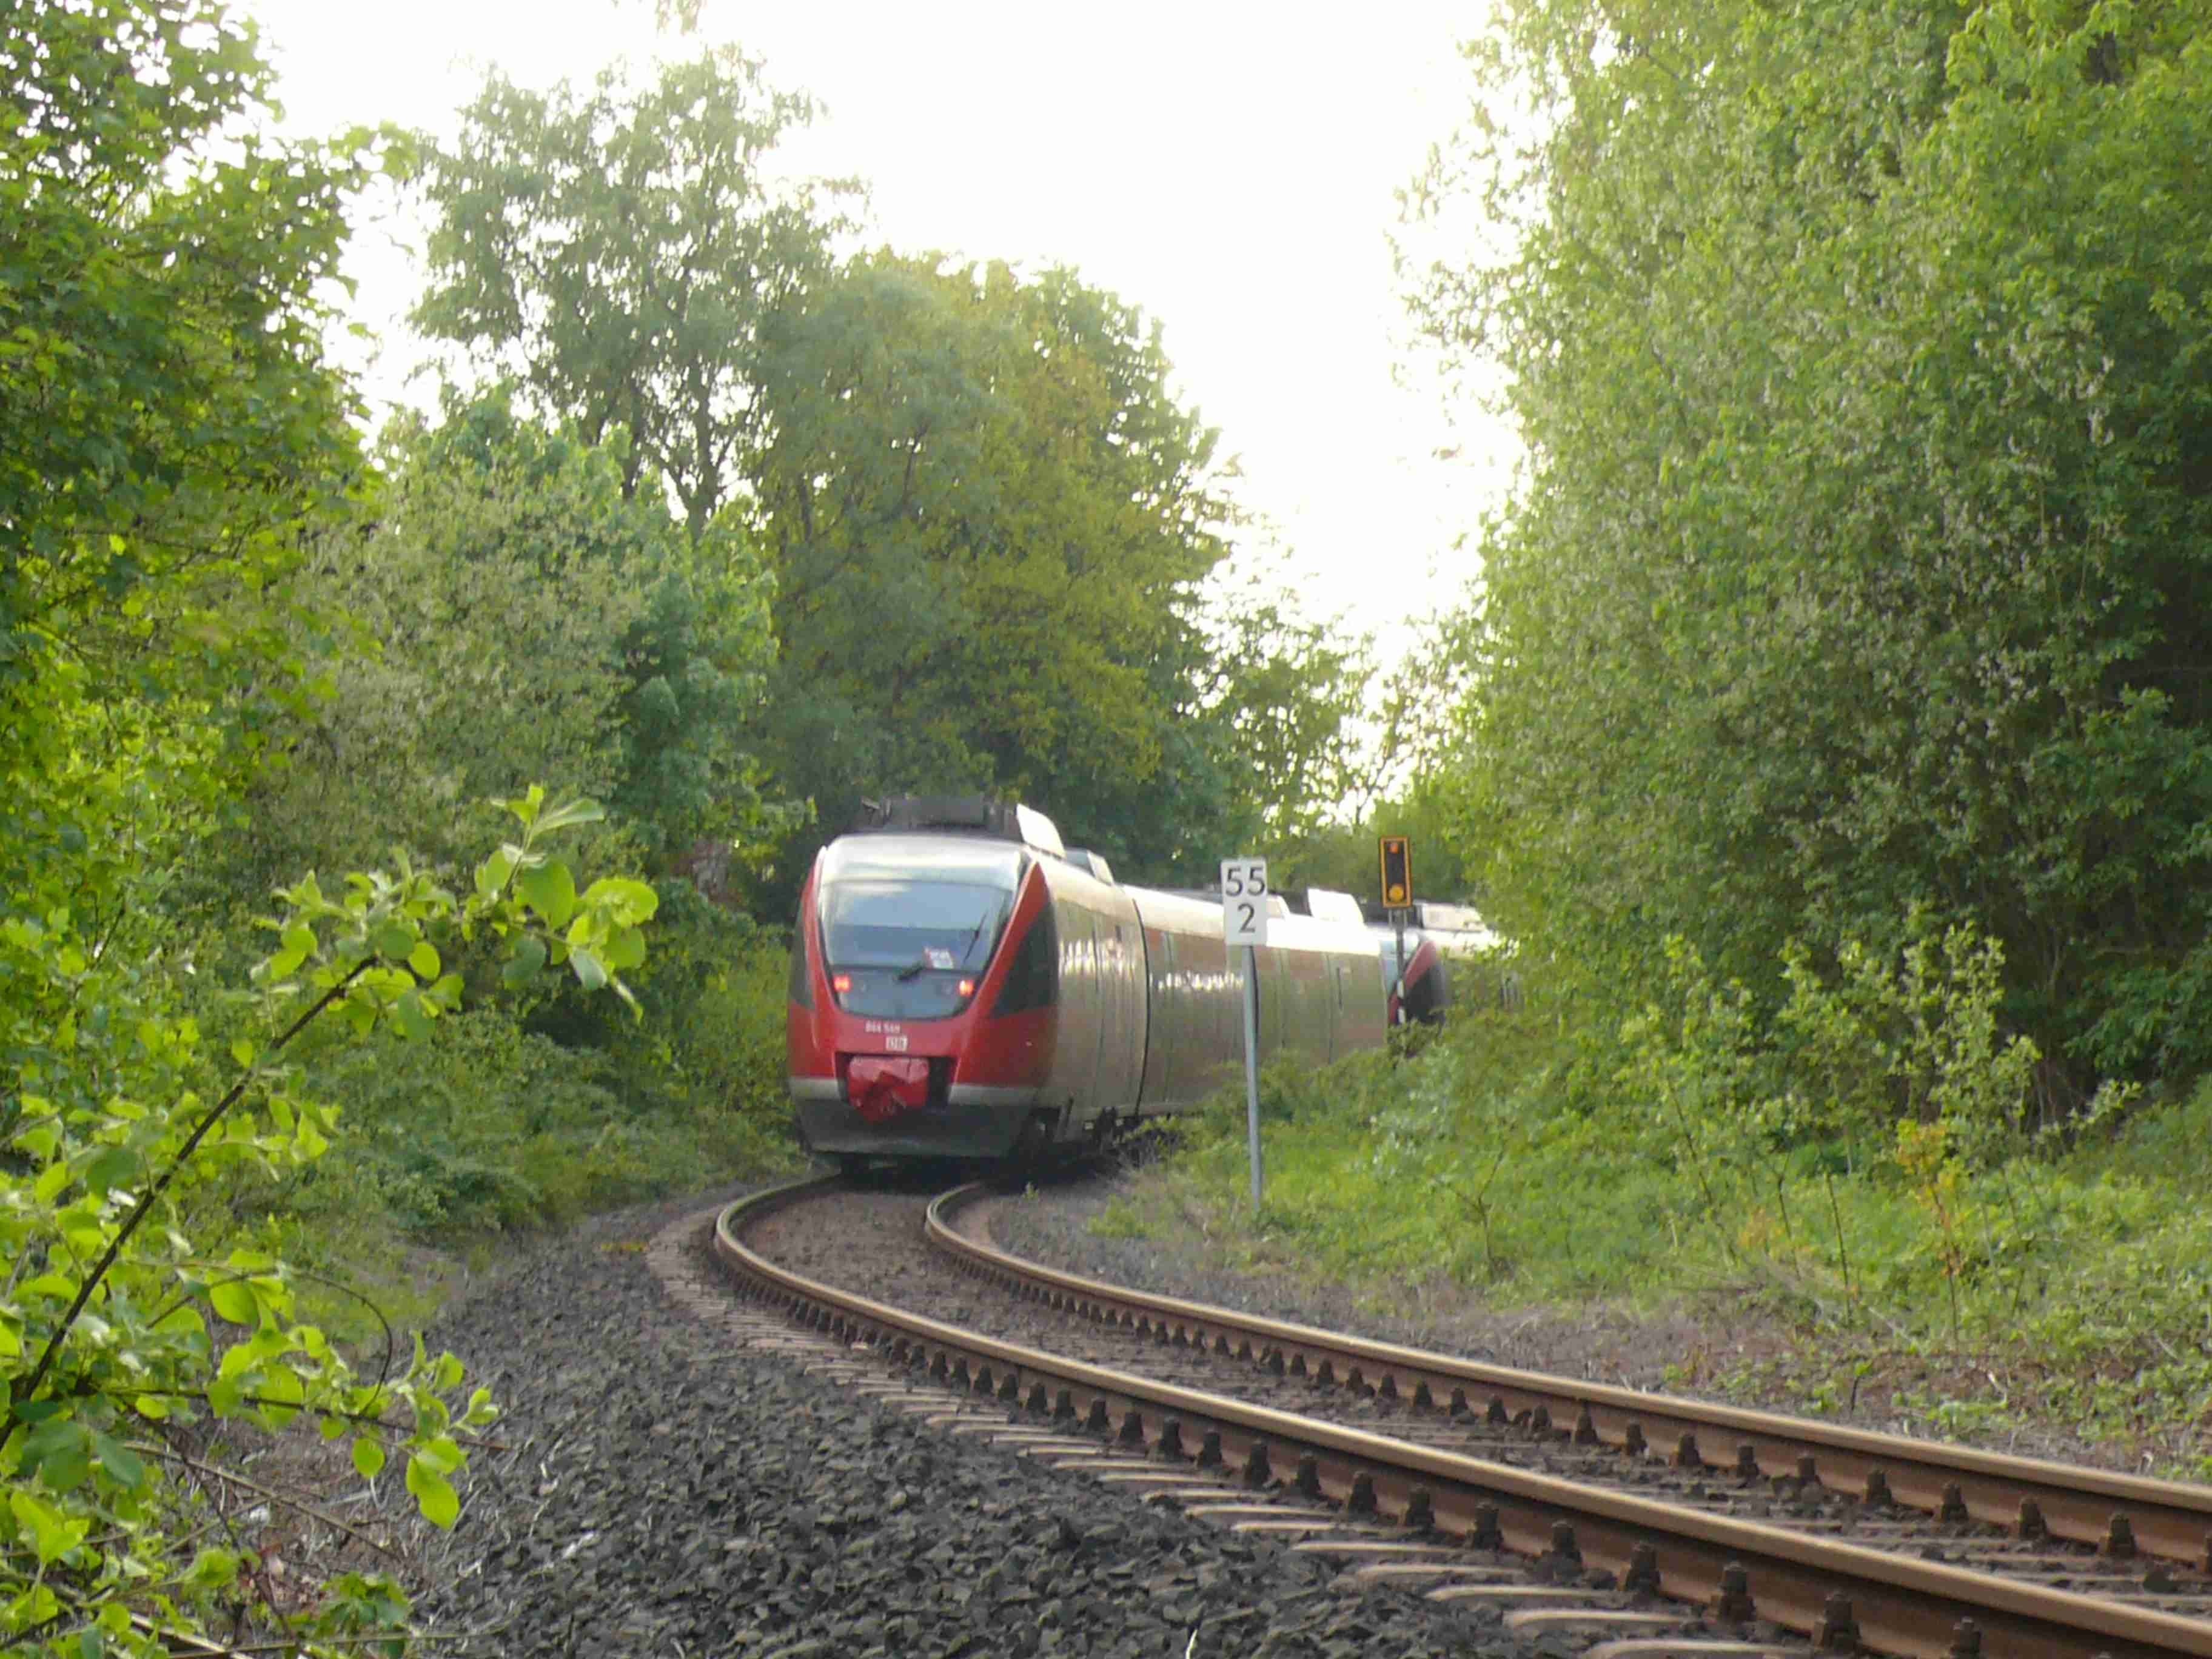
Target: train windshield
{"points": [[916, 926], [908, 922]]}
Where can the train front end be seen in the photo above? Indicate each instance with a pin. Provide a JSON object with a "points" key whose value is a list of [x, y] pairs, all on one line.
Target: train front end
{"points": [[921, 997]]}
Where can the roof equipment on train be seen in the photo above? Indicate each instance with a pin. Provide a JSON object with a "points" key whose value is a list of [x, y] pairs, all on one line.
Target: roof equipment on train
{"points": [[973, 814]]}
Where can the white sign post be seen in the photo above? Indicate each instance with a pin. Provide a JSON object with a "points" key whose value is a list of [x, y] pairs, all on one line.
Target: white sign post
{"points": [[1244, 921]]}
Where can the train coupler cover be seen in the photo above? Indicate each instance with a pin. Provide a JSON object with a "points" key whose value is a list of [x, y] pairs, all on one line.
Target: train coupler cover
{"points": [[883, 1086]]}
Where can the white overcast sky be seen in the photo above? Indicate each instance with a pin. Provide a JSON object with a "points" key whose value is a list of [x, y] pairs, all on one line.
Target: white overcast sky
{"points": [[1229, 167]]}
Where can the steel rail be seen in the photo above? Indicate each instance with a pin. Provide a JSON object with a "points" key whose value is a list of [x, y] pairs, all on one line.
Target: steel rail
{"points": [[1739, 1570], [2120, 1514]]}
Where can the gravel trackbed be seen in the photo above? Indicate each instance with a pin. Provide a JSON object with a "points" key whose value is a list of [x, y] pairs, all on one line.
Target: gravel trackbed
{"points": [[662, 1493]]}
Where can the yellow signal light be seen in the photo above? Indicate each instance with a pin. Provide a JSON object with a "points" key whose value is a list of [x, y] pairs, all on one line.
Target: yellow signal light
{"points": [[1397, 860]]}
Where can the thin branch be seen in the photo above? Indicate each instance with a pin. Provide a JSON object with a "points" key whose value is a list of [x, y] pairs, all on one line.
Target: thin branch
{"points": [[144, 1207], [274, 1497], [206, 1650], [222, 1516], [473, 1442]]}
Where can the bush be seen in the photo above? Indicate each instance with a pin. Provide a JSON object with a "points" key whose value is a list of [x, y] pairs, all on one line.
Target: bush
{"points": [[497, 1127]]}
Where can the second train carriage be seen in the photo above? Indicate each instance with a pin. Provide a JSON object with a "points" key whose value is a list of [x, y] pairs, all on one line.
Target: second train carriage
{"points": [[962, 985], [1419, 982]]}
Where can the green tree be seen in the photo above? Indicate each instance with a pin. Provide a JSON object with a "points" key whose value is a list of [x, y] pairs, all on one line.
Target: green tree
{"points": [[1860, 353], [167, 431], [166, 423], [528, 621], [618, 249], [992, 528]]}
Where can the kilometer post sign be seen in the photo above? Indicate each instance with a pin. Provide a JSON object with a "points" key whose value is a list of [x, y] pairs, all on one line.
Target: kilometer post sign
{"points": [[1244, 922]]}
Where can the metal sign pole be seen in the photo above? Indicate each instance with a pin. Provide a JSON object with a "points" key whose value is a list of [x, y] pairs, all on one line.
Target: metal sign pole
{"points": [[1398, 919], [1252, 1065], [1244, 922]]}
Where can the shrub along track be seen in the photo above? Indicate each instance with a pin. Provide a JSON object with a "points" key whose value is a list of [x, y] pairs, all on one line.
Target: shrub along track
{"points": [[1647, 1509]]}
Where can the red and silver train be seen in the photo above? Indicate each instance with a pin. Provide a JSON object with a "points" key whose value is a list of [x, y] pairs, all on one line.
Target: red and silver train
{"points": [[1417, 956], [962, 985]]}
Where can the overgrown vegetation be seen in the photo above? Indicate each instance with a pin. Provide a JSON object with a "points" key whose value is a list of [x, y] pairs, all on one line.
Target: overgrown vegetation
{"points": [[1861, 354], [1829, 730], [1825, 726], [635, 568], [1864, 1167]]}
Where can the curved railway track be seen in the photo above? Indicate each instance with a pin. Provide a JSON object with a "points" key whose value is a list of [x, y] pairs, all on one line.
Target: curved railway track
{"points": [[1737, 1518]]}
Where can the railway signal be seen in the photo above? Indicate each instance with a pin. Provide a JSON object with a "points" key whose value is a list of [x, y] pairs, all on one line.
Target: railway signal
{"points": [[1397, 873], [1397, 858]]}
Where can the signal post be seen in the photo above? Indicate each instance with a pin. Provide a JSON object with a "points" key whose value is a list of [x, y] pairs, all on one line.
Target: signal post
{"points": [[1396, 856]]}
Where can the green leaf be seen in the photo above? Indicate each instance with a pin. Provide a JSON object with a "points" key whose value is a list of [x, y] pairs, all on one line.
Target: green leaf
{"points": [[626, 902], [54, 1533], [524, 964], [119, 1462], [526, 806], [114, 1167], [441, 1453], [550, 890], [60, 1451], [367, 1456], [407, 1014], [591, 974], [212, 1569], [626, 949], [282, 1395], [232, 1299], [394, 940], [298, 943], [434, 1494], [582, 809], [423, 959], [493, 873]]}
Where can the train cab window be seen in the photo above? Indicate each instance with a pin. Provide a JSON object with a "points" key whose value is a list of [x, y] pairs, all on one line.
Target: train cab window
{"points": [[910, 947], [801, 987], [1034, 973]]}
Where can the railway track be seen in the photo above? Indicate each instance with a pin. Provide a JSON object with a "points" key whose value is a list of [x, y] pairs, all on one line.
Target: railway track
{"points": [[1642, 1514]]}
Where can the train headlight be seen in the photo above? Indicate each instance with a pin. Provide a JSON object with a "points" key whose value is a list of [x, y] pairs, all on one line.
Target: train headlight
{"points": [[966, 988]]}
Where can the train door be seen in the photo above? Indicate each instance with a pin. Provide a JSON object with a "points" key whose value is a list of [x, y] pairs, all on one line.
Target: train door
{"points": [[1097, 1096], [1163, 1011], [1121, 1034], [1074, 1083]]}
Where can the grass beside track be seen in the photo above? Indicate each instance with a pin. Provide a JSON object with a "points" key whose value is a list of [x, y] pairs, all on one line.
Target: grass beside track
{"points": [[2056, 1296]]}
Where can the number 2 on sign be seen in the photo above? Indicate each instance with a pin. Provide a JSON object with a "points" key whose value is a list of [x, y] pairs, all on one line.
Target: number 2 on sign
{"points": [[1244, 901]]}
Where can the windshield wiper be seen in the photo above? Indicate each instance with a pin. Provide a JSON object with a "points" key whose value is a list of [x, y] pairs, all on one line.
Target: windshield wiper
{"points": [[982, 922]]}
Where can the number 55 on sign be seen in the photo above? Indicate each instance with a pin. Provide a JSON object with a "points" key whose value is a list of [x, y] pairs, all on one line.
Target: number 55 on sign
{"points": [[1244, 901]]}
